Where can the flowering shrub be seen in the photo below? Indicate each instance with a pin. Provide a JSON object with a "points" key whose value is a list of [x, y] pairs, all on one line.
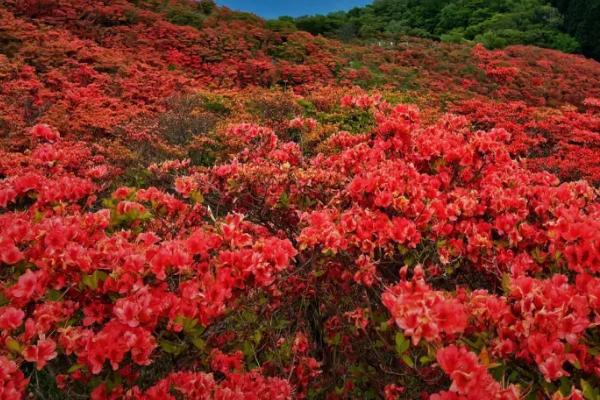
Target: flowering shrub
{"points": [[303, 243], [423, 313], [470, 380]]}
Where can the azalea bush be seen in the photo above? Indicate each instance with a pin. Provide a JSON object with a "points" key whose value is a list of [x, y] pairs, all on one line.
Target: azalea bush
{"points": [[415, 250], [207, 237]]}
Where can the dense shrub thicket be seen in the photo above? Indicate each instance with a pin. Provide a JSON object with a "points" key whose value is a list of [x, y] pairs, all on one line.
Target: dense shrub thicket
{"points": [[196, 206]]}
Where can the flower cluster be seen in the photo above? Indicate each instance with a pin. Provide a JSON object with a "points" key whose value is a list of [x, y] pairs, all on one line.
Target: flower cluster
{"points": [[424, 313], [470, 379]]}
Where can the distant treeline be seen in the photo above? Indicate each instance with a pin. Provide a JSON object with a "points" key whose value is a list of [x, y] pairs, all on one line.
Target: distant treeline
{"points": [[567, 25]]}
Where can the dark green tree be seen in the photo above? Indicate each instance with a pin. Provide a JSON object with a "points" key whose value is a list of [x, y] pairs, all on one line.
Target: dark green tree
{"points": [[582, 20], [567, 25]]}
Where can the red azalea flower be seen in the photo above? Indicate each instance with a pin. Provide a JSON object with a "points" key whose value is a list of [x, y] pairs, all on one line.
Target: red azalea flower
{"points": [[40, 353]]}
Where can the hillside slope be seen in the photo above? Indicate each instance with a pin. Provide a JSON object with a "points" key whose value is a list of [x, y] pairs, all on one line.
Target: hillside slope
{"points": [[93, 64], [195, 205]]}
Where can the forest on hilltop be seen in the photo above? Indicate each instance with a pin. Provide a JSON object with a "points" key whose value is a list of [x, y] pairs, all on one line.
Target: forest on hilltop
{"points": [[196, 203], [566, 25]]}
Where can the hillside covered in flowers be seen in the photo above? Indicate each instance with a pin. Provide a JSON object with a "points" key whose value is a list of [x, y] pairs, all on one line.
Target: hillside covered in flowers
{"points": [[195, 204]]}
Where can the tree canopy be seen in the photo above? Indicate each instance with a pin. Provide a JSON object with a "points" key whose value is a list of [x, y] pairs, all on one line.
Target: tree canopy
{"points": [[566, 25]]}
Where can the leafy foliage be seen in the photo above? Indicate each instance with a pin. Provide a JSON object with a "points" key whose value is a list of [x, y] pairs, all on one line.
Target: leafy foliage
{"points": [[495, 23], [232, 211], [582, 22]]}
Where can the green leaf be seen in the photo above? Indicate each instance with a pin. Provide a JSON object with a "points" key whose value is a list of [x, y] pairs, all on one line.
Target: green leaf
{"points": [[197, 197], [281, 324], [95, 382], [565, 386], [91, 281], [336, 340], [38, 216], [402, 344], [589, 392], [248, 349], [199, 343], [318, 273], [172, 347], [191, 327], [53, 295], [263, 300], [75, 367], [406, 358], [498, 372], [13, 345], [383, 327], [88, 280], [538, 256], [3, 300], [403, 250], [549, 387], [425, 360], [594, 351], [506, 283], [409, 260], [249, 317], [114, 381], [284, 200]]}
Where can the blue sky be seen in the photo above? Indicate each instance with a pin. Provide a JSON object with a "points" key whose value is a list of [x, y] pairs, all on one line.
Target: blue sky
{"points": [[276, 8]]}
